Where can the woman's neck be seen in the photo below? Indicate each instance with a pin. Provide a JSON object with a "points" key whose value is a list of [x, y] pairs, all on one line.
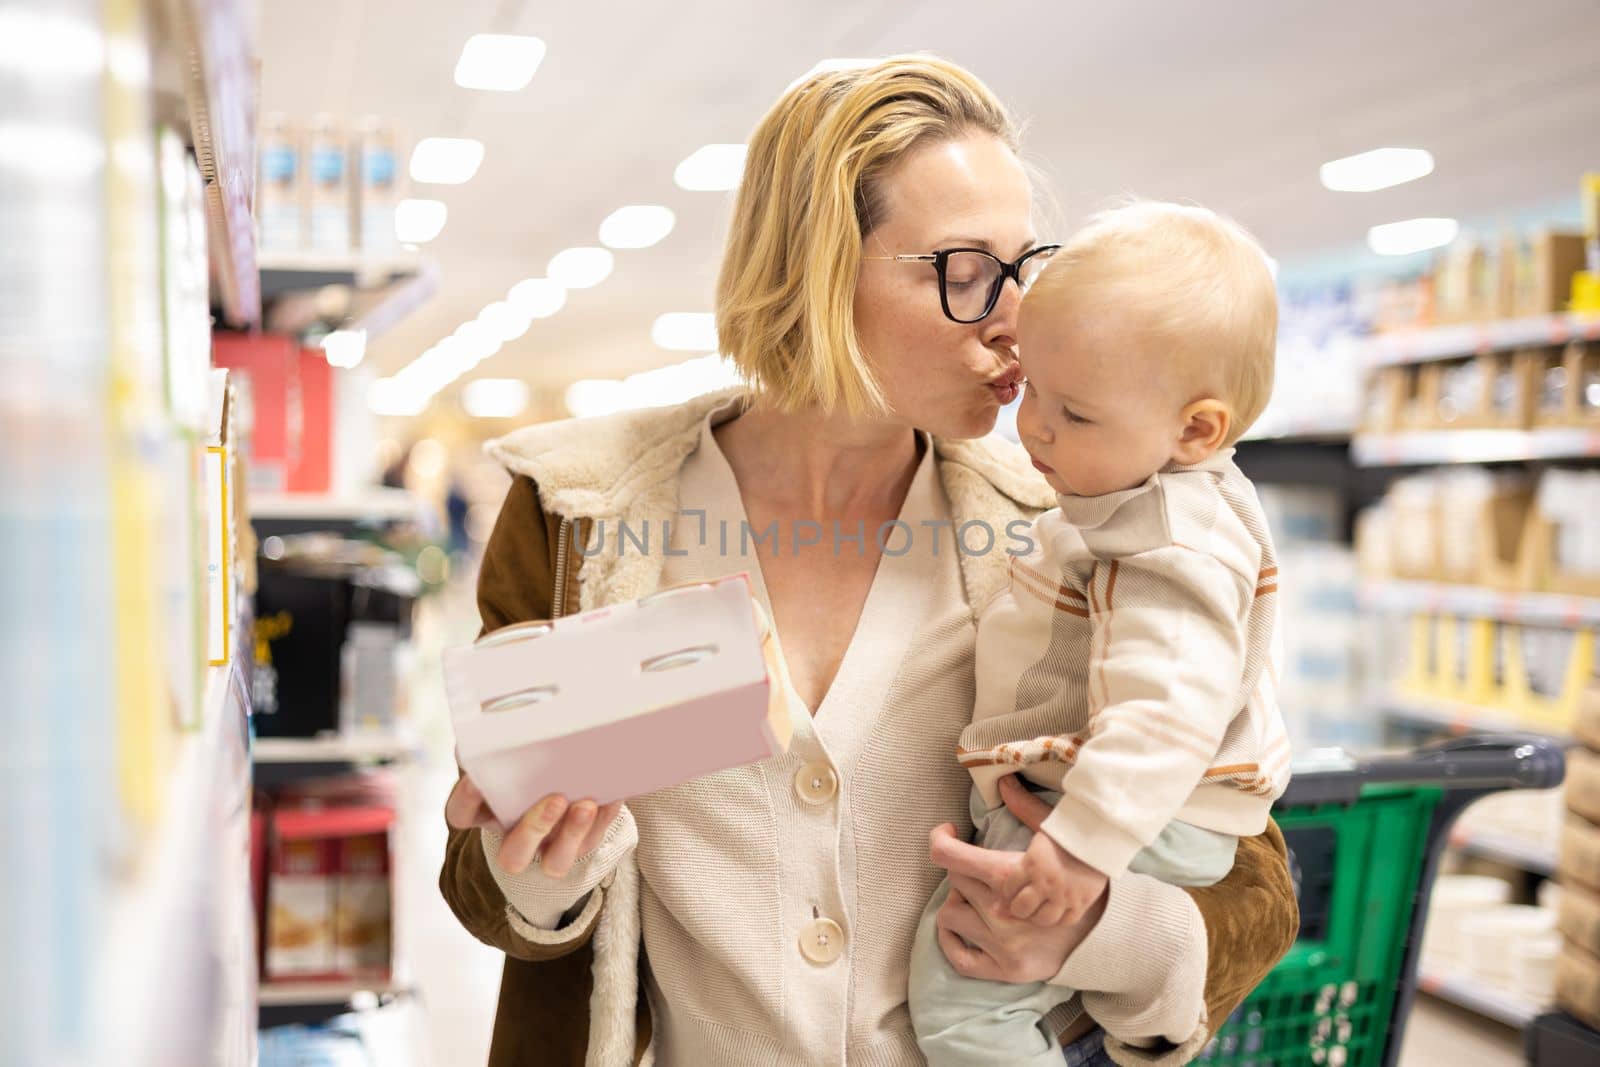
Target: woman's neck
{"points": [[821, 466]]}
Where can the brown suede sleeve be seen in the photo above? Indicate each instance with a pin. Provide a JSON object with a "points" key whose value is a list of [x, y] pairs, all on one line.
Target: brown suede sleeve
{"points": [[1251, 920], [515, 584]]}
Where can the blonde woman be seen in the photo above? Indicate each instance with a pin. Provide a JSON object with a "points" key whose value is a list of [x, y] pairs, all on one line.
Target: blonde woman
{"points": [[881, 238]]}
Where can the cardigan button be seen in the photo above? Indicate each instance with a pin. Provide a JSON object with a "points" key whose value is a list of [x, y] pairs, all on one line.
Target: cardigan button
{"points": [[816, 783], [822, 941]]}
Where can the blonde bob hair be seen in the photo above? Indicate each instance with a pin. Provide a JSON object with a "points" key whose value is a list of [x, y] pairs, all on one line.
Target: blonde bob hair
{"points": [[809, 196]]}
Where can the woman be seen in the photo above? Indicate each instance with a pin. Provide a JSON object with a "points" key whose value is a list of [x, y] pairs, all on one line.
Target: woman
{"points": [[776, 904]]}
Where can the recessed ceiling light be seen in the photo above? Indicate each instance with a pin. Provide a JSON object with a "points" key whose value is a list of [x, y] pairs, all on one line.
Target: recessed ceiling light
{"points": [[495, 398], [445, 160], [345, 348], [538, 298], [504, 320], [636, 226], [499, 62], [713, 168], [686, 331], [1412, 235], [1377, 169], [418, 221], [580, 268]]}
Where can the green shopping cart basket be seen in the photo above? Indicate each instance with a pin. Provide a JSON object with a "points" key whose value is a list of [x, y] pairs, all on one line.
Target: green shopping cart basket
{"points": [[1364, 845]]}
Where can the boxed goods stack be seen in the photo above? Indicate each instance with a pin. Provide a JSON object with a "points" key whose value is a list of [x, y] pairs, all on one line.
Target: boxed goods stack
{"points": [[1577, 976]]}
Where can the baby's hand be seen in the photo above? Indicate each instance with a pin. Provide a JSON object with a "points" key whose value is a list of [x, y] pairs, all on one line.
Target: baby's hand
{"points": [[1051, 885]]}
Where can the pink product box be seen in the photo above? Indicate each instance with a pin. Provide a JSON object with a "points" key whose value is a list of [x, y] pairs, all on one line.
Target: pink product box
{"points": [[619, 701]]}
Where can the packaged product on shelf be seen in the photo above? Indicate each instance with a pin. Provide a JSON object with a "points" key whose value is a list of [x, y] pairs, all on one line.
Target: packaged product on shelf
{"points": [[1546, 262], [1578, 984], [280, 194], [1510, 391], [1563, 538], [1580, 364], [1374, 539], [1388, 390], [1490, 939], [1455, 898], [1579, 859], [362, 912], [1413, 504], [1323, 657], [329, 215], [300, 896], [186, 304], [1461, 394], [1578, 917], [1420, 410], [1586, 723], [1556, 664], [1552, 402], [1461, 284], [1485, 513], [1583, 783], [376, 188], [369, 689]]}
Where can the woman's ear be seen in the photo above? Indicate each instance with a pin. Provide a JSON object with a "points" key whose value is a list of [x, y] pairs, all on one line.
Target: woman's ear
{"points": [[1205, 427]]}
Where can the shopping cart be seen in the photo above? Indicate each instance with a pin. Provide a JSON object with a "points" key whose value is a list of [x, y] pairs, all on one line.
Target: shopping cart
{"points": [[1364, 845]]}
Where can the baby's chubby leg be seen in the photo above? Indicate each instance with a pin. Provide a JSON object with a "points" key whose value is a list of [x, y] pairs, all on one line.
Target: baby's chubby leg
{"points": [[968, 1022]]}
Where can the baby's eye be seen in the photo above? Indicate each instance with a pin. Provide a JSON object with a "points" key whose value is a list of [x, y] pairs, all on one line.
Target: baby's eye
{"points": [[1074, 417]]}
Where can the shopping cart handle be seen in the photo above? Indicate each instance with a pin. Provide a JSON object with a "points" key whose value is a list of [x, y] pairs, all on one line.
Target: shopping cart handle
{"points": [[1482, 763]]}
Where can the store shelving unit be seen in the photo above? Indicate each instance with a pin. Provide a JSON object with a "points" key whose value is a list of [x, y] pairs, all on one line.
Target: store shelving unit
{"points": [[285, 994], [371, 748], [1536, 609], [1435, 447], [1467, 339], [1480, 999], [373, 504], [381, 291], [1516, 852], [1455, 718], [219, 80], [174, 896]]}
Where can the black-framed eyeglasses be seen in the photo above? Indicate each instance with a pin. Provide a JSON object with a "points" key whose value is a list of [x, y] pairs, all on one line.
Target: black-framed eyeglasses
{"points": [[970, 279]]}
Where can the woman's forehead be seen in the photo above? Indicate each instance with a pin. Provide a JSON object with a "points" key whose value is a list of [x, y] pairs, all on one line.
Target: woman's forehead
{"points": [[973, 188]]}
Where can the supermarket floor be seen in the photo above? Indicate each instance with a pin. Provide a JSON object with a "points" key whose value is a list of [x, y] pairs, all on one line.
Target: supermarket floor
{"points": [[457, 979]]}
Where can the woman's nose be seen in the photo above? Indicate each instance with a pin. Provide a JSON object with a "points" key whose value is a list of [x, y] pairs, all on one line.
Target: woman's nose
{"points": [[1000, 328]]}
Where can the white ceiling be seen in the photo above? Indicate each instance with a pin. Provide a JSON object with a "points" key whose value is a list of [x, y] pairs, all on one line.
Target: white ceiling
{"points": [[1232, 105]]}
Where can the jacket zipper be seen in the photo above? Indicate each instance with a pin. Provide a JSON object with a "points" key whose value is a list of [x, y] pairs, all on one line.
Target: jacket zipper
{"points": [[558, 602]]}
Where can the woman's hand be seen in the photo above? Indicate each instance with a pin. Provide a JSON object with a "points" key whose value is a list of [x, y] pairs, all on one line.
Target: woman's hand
{"points": [[978, 935], [564, 830]]}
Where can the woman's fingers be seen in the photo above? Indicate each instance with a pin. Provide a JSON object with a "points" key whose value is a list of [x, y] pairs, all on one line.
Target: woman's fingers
{"points": [[1026, 903], [465, 808], [561, 847], [602, 822], [522, 841], [1026, 806], [962, 937]]}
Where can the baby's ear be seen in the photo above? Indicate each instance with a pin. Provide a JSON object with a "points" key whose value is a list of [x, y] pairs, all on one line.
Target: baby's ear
{"points": [[1204, 429]]}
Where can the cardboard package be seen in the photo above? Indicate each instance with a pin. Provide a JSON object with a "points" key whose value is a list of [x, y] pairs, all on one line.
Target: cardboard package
{"points": [[363, 907], [1583, 783], [300, 893], [1579, 858], [619, 701], [1578, 984], [1546, 264], [1578, 917]]}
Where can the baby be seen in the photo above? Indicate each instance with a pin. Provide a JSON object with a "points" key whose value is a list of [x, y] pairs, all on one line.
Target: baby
{"points": [[1127, 672]]}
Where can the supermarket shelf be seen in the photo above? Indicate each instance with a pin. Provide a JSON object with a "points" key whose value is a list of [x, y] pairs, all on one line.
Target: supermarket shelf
{"points": [[1424, 447], [1445, 342], [375, 503], [334, 749], [381, 291], [1457, 718], [283, 994], [168, 895], [1479, 998], [219, 84], [1504, 848], [1539, 609]]}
